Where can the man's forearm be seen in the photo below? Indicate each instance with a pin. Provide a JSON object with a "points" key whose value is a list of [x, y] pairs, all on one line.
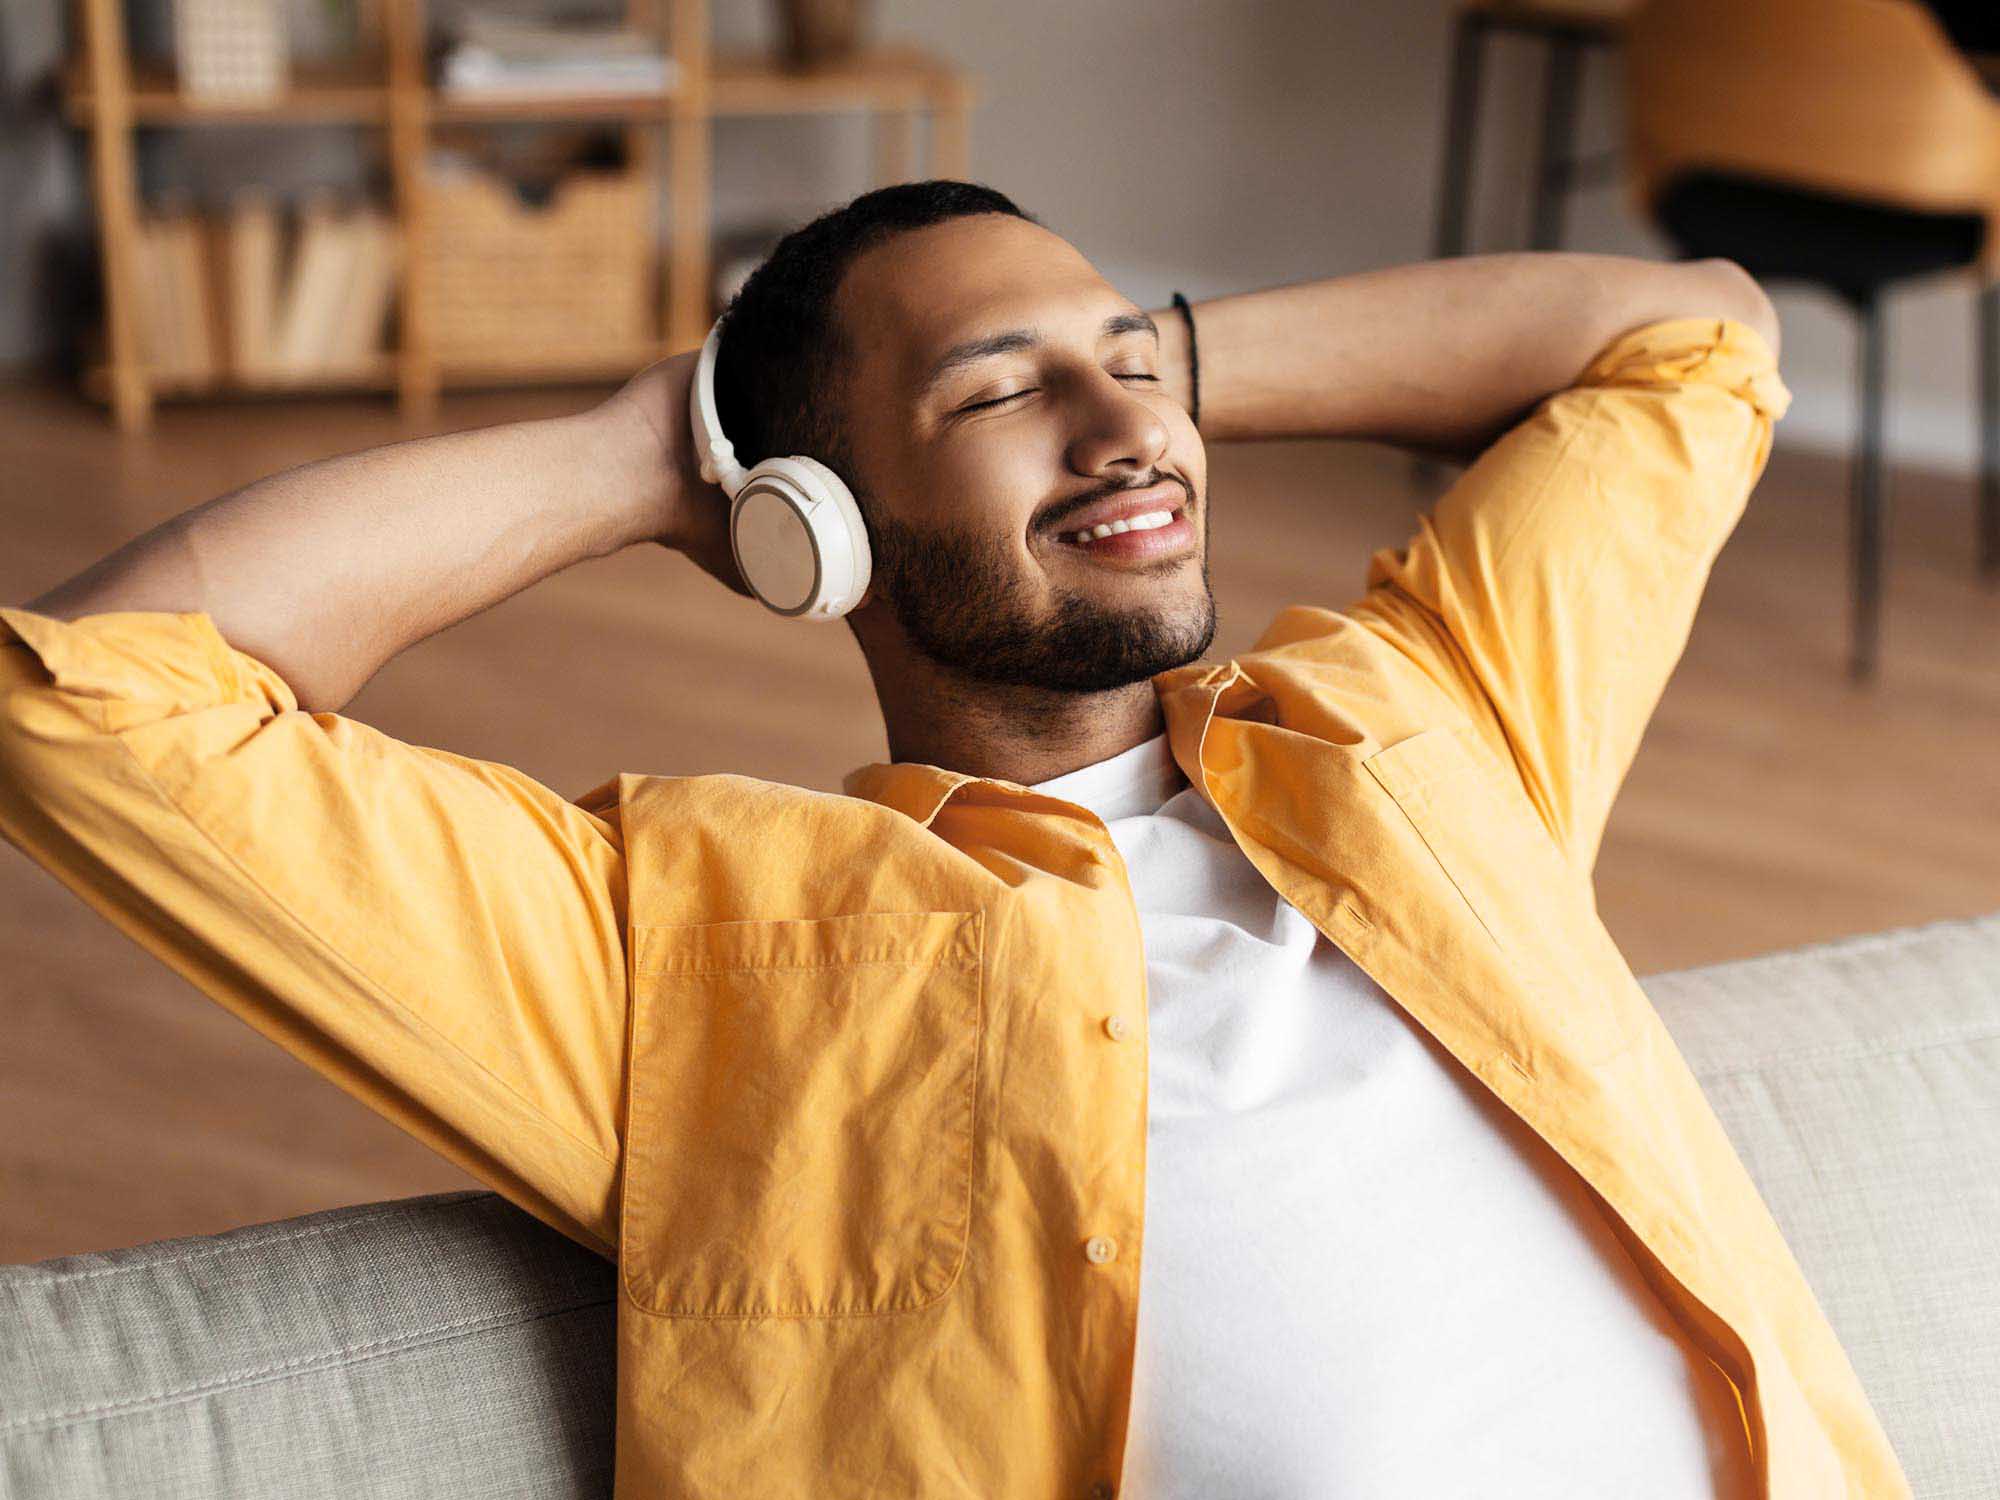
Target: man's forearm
{"points": [[1442, 355], [326, 571]]}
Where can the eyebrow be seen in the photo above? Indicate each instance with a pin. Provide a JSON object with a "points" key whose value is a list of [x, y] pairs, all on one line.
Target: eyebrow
{"points": [[1014, 340]]}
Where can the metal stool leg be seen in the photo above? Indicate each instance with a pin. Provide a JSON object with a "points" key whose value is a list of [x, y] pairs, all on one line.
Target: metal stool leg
{"points": [[1866, 481], [1989, 432], [1560, 80], [1461, 121]]}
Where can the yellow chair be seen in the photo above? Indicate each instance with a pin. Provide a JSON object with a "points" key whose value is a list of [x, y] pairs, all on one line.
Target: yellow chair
{"points": [[1842, 143]]}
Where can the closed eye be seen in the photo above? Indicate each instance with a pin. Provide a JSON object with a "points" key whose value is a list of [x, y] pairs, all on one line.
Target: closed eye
{"points": [[1028, 390]]}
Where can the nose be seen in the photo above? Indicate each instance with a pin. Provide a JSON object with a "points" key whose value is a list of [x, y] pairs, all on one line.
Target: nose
{"points": [[1116, 431]]}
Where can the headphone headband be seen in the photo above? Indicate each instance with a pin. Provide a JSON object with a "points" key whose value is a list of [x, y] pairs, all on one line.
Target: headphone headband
{"points": [[796, 532], [715, 453]]}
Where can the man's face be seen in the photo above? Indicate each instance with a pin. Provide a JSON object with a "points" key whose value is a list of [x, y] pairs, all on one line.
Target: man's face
{"points": [[999, 390]]}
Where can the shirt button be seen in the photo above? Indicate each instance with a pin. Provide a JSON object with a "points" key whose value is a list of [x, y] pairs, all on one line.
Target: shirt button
{"points": [[1115, 1028], [1100, 1248]]}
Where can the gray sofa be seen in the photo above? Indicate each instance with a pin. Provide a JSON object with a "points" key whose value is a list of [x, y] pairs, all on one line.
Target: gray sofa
{"points": [[452, 1346]]}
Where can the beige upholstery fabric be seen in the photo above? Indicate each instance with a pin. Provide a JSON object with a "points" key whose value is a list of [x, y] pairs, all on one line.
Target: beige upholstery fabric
{"points": [[452, 1345], [1860, 1081]]}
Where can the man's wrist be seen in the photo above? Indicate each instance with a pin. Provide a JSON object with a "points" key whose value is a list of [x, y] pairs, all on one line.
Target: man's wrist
{"points": [[1175, 371], [640, 471]]}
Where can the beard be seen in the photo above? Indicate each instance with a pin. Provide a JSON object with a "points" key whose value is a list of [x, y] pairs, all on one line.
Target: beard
{"points": [[962, 602]]}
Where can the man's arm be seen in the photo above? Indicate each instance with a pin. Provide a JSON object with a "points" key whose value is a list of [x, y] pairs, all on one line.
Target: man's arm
{"points": [[1440, 356], [327, 571], [1550, 590], [443, 937]]}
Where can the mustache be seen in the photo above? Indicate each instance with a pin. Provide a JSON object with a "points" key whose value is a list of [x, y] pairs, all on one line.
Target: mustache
{"points": [[1062, 510]]}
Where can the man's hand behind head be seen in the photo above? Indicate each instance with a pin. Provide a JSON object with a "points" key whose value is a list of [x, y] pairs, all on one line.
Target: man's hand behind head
{"points": [[694, 514]]}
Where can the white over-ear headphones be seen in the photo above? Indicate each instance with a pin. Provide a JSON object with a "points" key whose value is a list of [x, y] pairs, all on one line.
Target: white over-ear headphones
{"points": [[793, 526]]}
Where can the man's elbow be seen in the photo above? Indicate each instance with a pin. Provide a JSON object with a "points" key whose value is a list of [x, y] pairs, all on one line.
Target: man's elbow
{"points": [[1741, 297]]}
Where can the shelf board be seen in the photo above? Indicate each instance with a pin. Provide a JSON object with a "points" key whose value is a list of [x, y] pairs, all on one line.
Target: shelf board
{"points": [[749, 83], [894, 77], [346, 92], [375, 374], [449, 109], [542, 367]]}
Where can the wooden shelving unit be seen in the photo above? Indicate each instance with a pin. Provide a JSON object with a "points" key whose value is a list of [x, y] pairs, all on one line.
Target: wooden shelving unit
{"points": [[386, 88]]}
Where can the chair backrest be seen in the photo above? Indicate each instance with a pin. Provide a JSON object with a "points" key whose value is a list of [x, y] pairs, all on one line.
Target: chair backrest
{"points": [[452, 1345], [1866, 99], [1972, 25]]}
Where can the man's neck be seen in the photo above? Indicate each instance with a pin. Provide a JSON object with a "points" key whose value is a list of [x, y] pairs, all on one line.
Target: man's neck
{"points": [[1011, 733]]}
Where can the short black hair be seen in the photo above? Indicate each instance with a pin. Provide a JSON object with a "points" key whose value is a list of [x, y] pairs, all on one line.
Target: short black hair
{"points": [[778, 357]]}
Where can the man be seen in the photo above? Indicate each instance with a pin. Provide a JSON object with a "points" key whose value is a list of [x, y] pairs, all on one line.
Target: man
{"points": [[1285, 971]]}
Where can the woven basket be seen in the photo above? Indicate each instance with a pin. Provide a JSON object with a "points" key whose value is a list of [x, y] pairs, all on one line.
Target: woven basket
{"points": [[231, 50], [506, 284]]}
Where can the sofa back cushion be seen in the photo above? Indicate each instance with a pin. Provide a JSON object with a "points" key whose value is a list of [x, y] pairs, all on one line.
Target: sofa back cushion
{"points": [[442, 1345], [1860, 1082]]}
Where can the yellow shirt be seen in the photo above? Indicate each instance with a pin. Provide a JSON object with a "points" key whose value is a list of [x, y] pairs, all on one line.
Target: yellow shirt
{"points": [[839, 1080]]}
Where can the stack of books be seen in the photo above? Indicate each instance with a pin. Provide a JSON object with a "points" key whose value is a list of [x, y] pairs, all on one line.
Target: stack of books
{"points": [[243, 296], [497, 58]]}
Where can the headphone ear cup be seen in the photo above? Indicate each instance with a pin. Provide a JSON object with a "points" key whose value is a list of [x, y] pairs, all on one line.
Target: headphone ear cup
{"points": [[798, 539], [848, 509], [772, 542]]}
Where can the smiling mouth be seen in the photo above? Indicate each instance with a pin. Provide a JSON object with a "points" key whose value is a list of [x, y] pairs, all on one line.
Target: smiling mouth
{"points": [[1152, 537], [1151, 520]]}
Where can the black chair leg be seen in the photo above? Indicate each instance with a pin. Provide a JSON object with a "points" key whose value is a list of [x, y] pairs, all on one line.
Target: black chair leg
{"points": [[1461, 119], [1561, 78], [1866, 477], [1989, 432], [1468, 49]]}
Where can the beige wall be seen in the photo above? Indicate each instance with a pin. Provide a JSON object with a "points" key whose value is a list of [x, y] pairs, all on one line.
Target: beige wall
{"points": [[1220, 146], [1209, 146]]}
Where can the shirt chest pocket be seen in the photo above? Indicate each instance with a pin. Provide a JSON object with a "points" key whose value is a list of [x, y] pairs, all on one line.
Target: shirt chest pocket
{"points": [[800, 1114], [1534, 905]]}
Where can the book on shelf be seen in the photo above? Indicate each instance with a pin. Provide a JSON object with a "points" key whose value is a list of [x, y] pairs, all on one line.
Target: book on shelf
{"points": [[496, 57], [370, 289], [341, 284], [193, 318], [255, 241], [309, 312], [153, 328], [223, 295], [172, 315]]}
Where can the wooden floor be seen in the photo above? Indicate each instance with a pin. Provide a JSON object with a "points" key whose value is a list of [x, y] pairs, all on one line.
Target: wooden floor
{"points": [[1773, 803]]}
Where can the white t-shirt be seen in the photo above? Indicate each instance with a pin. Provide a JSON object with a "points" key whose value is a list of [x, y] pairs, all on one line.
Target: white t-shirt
{"points": [[1363, 1276]]}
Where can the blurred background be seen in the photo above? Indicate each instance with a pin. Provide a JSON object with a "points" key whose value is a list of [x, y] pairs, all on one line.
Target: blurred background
{"points": [[237, 235]]}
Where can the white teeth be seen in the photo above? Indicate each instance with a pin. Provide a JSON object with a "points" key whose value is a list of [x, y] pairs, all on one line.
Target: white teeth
{"points": [[1149, 521]]}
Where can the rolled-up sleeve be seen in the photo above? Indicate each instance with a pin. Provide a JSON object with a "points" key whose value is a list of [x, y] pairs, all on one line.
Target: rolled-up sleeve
{"points": [[1553, 586], [441, 936]]}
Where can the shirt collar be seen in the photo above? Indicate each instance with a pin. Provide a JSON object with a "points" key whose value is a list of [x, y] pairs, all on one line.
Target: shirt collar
{"points": [[1187, 697]]}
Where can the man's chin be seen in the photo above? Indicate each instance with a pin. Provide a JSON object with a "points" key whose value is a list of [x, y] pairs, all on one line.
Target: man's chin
{"points": [[1086, 648], [1069, 660]]}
